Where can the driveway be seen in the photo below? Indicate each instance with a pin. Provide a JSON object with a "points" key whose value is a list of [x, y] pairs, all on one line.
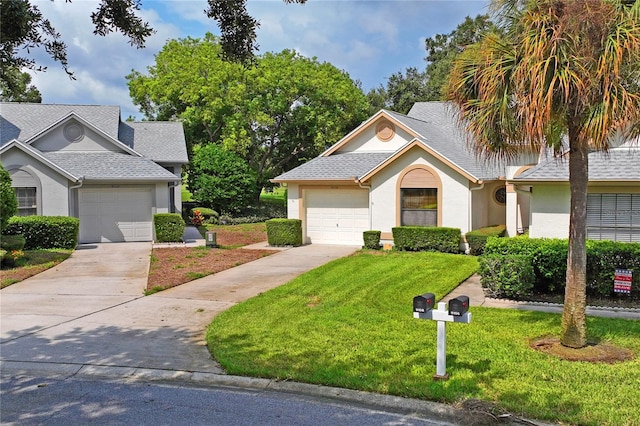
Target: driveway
{"points": [[89, 311]]}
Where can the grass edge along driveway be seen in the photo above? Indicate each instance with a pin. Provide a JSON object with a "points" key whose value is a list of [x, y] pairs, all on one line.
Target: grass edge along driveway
{"points": [[349, 324]]}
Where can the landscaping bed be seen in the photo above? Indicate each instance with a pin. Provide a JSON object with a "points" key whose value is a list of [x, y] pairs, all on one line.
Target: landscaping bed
{"points": [[177, 265], [32, 263]]}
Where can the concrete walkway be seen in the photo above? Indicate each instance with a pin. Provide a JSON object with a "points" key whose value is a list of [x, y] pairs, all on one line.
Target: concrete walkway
{"points": [[472, 288], [90, 312]]}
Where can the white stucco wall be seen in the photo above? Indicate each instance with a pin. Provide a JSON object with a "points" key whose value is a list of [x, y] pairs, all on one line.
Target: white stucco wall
{"points": [[385, 197], [52, 193], [550, 206]]}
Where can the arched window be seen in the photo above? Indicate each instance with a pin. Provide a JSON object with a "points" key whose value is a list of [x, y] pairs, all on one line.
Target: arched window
{"points": [[419, 197], [26, 187]]}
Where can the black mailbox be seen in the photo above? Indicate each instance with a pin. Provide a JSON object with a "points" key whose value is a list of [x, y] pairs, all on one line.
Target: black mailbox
{"points": [[424, 302], [458, 306]]}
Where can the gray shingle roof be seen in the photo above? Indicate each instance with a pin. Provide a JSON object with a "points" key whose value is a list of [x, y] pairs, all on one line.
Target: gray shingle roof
{"points": [[437, 129], [339, 166], [23, 120], [105, 165], [161, 141], [619, 164]]}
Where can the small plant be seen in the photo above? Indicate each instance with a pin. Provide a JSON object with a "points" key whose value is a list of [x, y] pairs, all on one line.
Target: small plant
{"points": [[197, 219], [371, 239]]}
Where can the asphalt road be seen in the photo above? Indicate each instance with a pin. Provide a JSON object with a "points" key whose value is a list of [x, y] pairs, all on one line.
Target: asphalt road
{"points": [[64, 401]]}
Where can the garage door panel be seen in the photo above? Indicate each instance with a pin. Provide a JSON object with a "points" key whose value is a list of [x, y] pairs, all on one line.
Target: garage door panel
{"points": [[115, 214], [337, 216]]}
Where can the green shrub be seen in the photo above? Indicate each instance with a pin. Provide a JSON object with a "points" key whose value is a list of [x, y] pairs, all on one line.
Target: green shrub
{"points": [[12, 242], [8, 202], [371, 239], [169, 227], [509, 276], [423, 238], [478, 237], [45, 232], [284, 232], [210, 215], [549, 259]]}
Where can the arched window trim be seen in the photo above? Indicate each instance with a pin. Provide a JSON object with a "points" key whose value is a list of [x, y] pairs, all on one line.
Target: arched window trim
{"points": [[36, 180], [406, 171]]}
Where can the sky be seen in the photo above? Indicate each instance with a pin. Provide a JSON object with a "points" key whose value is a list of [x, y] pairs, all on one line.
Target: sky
{"points": [[370, 40]]}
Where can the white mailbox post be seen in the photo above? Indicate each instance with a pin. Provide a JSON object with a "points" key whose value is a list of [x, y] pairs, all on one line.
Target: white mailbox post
{"points": [[443, 317]]}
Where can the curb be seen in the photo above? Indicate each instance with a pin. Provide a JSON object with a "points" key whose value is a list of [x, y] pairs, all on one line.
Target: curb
{"points": [[443, 413]]}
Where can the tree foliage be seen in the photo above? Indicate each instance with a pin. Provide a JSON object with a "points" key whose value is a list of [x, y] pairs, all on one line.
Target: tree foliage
{"points": [[221, 180], [8, 203], [24, 28], [558, 68], [276, 114], [17, 87]]}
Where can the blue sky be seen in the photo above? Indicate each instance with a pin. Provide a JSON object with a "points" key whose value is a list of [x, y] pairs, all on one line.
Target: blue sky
{"points": [[370, 40]]}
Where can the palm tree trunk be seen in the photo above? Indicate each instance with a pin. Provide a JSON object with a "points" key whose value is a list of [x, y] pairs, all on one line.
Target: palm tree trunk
{"points": [[574, 327]]}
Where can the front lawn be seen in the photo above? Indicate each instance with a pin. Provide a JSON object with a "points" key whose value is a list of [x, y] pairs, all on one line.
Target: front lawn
{"points": [[33, 262], [349, 324]]}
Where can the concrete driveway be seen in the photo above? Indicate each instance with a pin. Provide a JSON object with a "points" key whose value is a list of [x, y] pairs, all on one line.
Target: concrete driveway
{"points": [[89, 312]]}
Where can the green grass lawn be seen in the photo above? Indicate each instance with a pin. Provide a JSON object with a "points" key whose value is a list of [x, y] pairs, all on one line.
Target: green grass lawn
{"points": [[349, 324]]}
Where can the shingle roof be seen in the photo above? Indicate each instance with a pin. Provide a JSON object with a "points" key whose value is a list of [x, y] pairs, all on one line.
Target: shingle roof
{"points": [[436, 128], [159, 141], [339, 166], [619, 164], [106, 165], [23, 120]]}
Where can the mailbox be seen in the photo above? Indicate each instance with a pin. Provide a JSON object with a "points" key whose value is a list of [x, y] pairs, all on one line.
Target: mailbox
{"points": [[458, 306], [424, 302]]}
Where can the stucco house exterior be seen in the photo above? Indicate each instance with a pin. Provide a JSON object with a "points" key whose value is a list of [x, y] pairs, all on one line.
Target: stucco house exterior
{"points": [[539, 195], [393, 170], [418, 169], [84, 161]]}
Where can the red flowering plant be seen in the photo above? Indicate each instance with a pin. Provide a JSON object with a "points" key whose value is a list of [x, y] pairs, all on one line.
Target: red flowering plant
{"points": [[197, 219]]}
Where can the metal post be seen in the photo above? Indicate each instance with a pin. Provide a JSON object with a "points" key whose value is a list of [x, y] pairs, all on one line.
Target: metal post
{"points": [[441, 355]]}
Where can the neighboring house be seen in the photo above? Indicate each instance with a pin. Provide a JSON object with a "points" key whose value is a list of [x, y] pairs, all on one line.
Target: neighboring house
{"points": [[613, 200], [394, 170], [83, 161]]}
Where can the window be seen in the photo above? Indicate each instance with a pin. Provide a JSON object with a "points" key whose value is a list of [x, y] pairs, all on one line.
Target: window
{"points": [[613, 217], [419, 207], [26, 201]]}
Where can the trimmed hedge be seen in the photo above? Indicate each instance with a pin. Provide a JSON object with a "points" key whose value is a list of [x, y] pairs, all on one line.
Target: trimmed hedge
{"points": [[426, 238], [510, 276], [169, 227], [371, 239], [549, 259], [284, 232], [478, 237], [45, 232]]}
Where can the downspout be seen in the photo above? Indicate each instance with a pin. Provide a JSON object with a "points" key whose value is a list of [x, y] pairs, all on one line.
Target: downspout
{"points": [[368, 187], [81, 180]]}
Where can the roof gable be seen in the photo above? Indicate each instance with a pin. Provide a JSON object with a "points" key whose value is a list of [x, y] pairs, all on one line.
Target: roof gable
{"points": [[37, 155]]}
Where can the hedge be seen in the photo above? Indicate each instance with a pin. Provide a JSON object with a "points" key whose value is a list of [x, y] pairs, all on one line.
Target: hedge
{"points": [[284, 232], [169, 227], [510, 276], [426, 238], [45, 232], [549, 259], [478, 237], [371, 239]]}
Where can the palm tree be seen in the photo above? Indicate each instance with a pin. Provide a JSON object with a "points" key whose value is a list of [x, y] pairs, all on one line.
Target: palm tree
{"points": [[562, 68]]}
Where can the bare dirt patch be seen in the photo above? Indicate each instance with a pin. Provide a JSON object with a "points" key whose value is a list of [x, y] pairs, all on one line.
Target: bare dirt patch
{"points": [[173, 266], [593, 352]]}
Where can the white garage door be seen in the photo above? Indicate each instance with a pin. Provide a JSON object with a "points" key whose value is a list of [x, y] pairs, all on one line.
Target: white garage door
{"points": [[115, 215], [337, 216]]}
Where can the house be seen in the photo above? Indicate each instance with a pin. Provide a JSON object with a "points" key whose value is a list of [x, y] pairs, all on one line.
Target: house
{"points": [[395, 170], [542, 193], [84, 161]]}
